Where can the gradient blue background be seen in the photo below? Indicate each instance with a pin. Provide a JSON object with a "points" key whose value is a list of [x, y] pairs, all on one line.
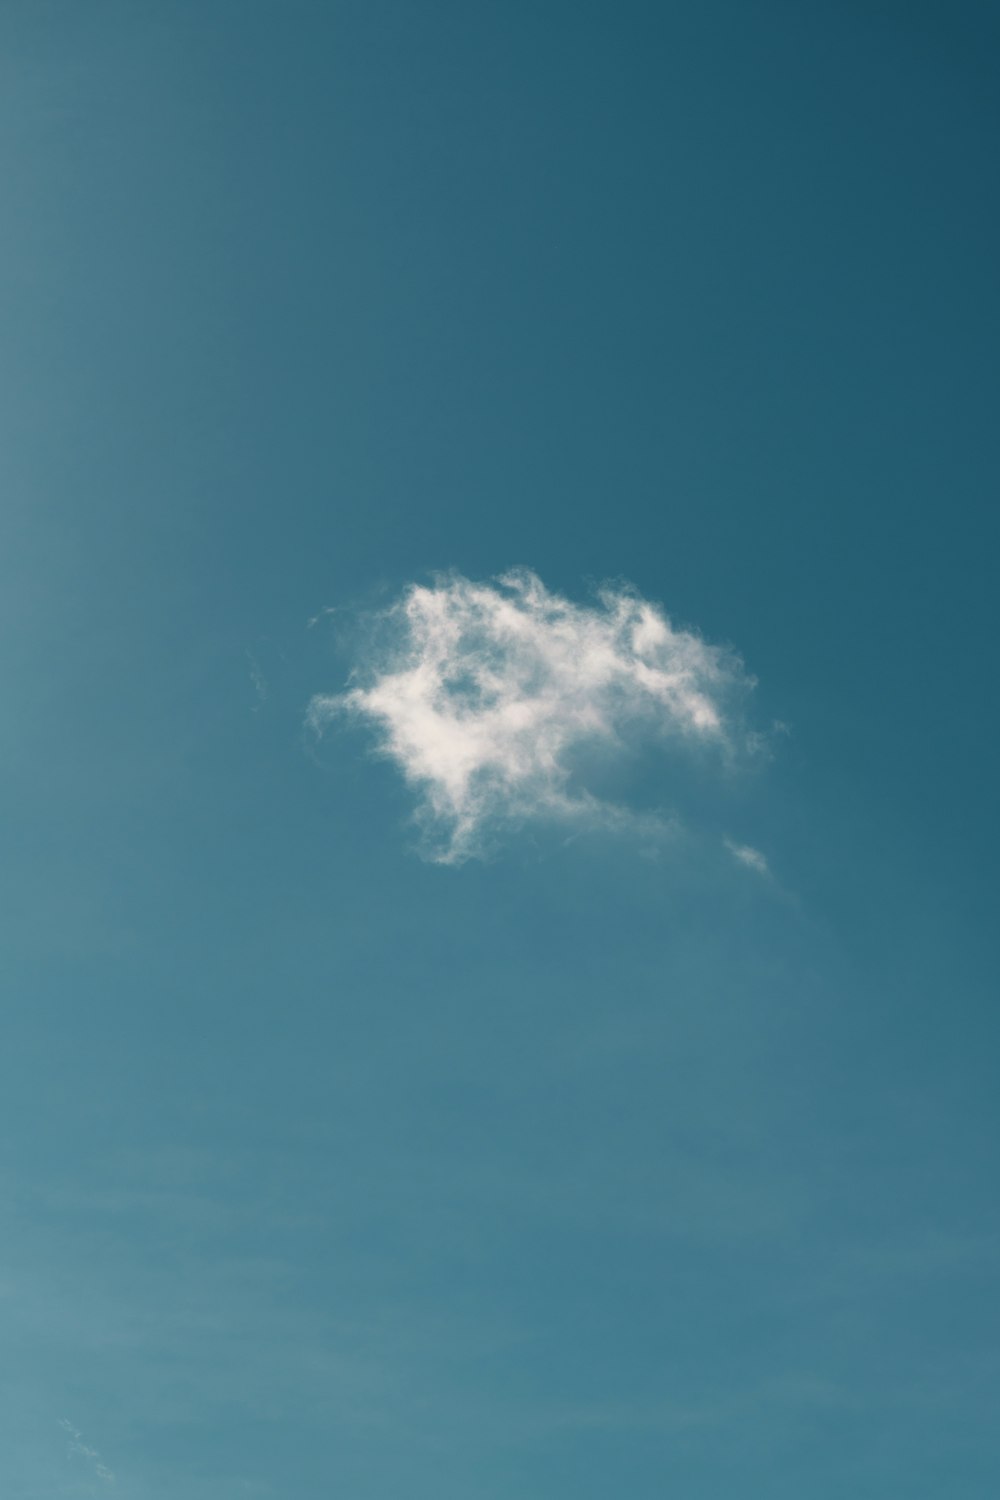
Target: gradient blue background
{"points": [[326, 1172]]}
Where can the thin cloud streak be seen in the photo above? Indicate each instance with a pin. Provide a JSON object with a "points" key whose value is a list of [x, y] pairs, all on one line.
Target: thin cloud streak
{"points": [[484, 695], [79, 1449], [746, 854], [259, 682]]}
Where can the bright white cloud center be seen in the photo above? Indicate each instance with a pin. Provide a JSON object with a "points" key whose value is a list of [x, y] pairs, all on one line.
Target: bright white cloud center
{"points": [[481, 693]]}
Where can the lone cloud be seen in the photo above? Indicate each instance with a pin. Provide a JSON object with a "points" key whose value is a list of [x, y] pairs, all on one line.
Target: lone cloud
{"points": [[480, 692]]}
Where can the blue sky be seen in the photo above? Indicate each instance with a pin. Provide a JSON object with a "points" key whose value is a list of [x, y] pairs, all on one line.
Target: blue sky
{"points": [[407, 1088]]}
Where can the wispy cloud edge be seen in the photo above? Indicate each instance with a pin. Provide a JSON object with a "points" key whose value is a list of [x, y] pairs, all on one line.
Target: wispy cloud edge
{"points": [[747, 855]]}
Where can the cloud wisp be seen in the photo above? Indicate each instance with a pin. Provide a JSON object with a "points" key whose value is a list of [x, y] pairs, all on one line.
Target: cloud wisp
{"points": [[747, 855], [79, 1449], [488, 697]]}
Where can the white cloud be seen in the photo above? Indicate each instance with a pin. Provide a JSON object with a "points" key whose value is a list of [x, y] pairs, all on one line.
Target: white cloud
{"points": [[747, 855], [482, 693], [259, 681], [79, 1449]]}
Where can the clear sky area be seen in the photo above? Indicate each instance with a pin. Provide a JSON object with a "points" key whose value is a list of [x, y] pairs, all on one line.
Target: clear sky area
{"points": [[498, 790]]}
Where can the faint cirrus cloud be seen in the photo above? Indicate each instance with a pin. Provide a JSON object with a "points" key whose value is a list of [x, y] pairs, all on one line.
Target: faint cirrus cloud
{"points": [[79, 1449], [746, 854], [486, 695]]}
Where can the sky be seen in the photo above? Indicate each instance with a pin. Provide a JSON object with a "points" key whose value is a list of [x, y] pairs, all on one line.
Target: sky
{"points": [[497, 762]]}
